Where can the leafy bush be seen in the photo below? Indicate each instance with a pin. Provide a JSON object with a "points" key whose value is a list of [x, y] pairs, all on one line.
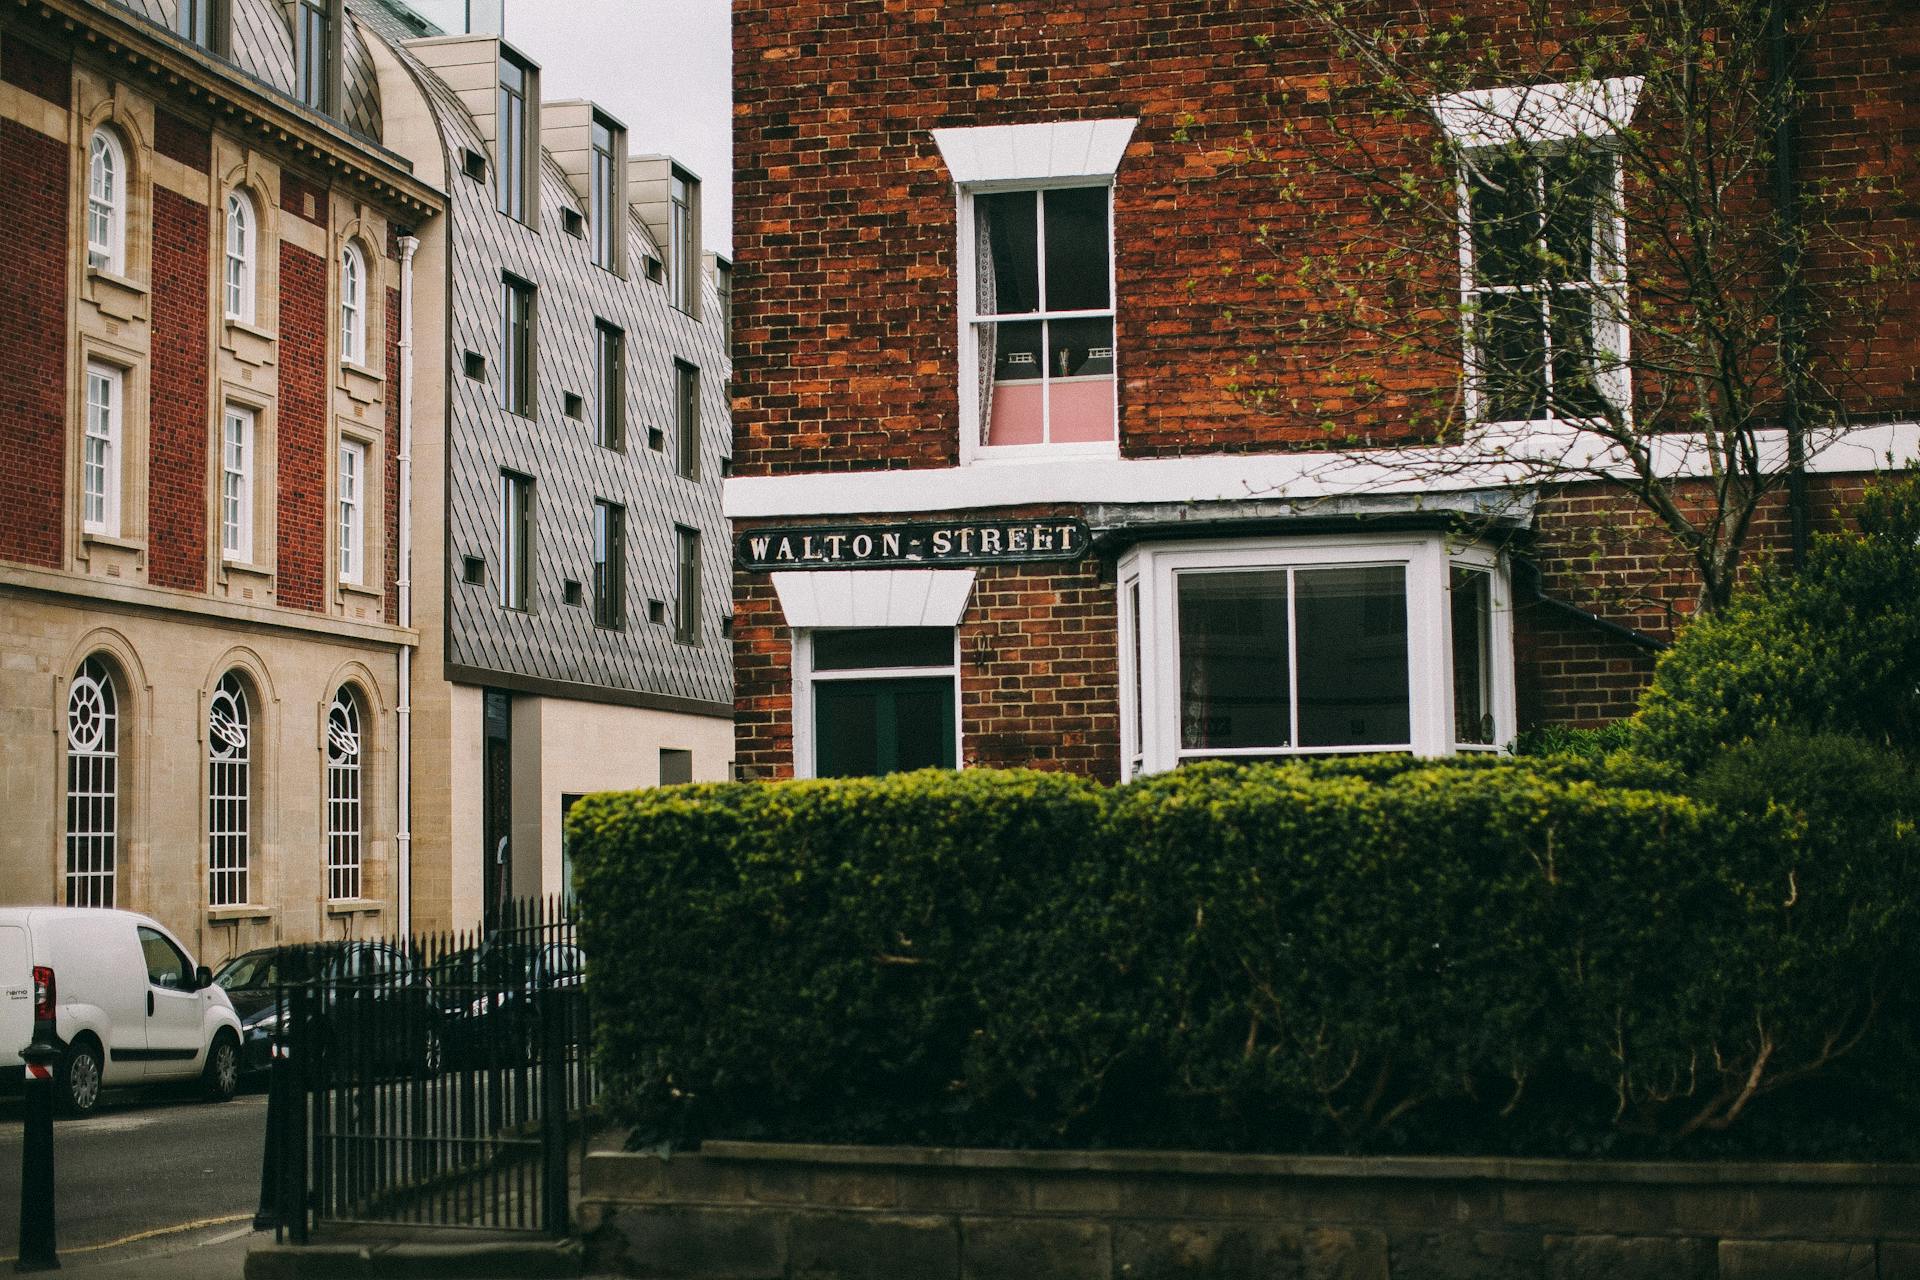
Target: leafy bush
{"points": [[1834, 648], [1500, 955], [1569, 740]]}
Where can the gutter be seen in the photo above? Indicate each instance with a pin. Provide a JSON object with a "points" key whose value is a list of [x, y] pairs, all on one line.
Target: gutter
{"points": [[403, 834], [1526, 581]]}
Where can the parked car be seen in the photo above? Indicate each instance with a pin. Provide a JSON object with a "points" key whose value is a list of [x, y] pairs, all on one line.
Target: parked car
{"points": [[369, 999], [120, 997], [489, 996]]}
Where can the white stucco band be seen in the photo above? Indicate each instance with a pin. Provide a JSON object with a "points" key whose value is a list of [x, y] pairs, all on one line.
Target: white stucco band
{"points": [[1034, 152], [873, 597]]}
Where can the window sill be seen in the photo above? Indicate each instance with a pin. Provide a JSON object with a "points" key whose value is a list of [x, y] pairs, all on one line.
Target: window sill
{"points": [[125, 284], [115, 295], [228, 915], [235, 325], [354, 907], [1025, 454], [361, 383], [348, 589], [96, 539]]}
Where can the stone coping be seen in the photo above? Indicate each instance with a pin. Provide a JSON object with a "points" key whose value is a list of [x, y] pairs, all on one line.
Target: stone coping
{"points": [[1222, 1164]]}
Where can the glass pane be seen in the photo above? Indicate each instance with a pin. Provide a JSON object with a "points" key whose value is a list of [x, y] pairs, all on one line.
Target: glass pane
{"points": [[1233, 660], [1472, 619], [1007, 252], [1512, 356], [867, 727], [1011, 398], [867, 647], [1352, 648], [1076, 249], [1504, 211], [1577, 186], [1080, 393], [1576, 385]]}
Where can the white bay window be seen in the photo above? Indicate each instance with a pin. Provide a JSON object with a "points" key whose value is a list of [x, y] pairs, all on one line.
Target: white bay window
{"points": [[1312, 646]]}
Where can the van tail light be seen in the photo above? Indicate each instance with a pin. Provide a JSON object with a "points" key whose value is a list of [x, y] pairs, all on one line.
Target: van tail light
{"points": [[43, 993]]}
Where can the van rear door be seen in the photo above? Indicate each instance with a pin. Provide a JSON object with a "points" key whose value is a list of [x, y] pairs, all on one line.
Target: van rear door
{"points": [[16, 995]]}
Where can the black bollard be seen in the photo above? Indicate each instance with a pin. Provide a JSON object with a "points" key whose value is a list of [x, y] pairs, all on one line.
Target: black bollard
{"points": [[37, 1252]]}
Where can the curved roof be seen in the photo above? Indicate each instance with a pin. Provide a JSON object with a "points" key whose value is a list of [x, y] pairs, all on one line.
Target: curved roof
{"points": [[262, 47]]}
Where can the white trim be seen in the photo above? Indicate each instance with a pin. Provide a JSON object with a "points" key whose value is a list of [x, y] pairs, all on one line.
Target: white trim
{"points": [[242, 239], [110, 417], [1499, 456], [351, 500], [247, 418], [1533, 114], [1426, 560], [873, 597], [1034, 152], [803, 680], [353, 304], [107, 252]]}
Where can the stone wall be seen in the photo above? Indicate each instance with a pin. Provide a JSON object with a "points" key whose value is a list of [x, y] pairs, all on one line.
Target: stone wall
{"points": [[765, 1211]]}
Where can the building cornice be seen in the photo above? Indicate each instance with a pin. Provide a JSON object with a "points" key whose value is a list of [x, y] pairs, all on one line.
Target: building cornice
{"points": [[91, 592], [236, 101]]}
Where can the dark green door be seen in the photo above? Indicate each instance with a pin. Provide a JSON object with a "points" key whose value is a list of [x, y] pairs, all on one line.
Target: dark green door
{"points": [[866, 727]]}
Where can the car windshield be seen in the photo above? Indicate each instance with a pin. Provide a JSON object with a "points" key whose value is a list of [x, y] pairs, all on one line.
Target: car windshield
{"points": [[252, 970]]}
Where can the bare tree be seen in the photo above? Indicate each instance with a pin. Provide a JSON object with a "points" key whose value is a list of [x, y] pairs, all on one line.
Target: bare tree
{"points": [[1548, 242]]}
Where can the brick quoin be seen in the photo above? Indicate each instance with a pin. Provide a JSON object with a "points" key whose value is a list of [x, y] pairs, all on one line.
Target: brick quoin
{"points": [[33, 329], [177, 462], [38, 71], [183, 140], [300, 570], [392, 507]]}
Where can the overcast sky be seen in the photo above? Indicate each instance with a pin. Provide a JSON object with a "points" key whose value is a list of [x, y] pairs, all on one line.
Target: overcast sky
{"points": [[663, 67]]}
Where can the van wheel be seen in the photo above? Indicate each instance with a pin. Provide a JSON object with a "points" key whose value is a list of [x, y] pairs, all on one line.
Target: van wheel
{"points": [[76, 1086], [221, 1078]]}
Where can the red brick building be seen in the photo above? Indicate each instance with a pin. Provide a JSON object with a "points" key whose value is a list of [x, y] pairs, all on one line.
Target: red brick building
{"points": [[200, 467], [1000, 494]]}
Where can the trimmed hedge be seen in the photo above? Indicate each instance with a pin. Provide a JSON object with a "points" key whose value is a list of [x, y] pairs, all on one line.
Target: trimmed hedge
{"points": [[1495, 955]]}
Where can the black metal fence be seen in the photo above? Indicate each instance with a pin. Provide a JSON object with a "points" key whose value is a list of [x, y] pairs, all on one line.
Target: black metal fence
{"points": [[439, 1081]]}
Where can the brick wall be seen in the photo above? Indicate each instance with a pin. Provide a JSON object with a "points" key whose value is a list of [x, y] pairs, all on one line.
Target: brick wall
{"points": [[177, 459], [183, 140], [33, 327], [39, 72], [302, 198], [845, 309], [301, 477]]}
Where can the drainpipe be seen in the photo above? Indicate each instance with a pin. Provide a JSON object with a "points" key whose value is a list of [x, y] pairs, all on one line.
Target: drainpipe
{"points": [[403, 837], [1792, 352]]}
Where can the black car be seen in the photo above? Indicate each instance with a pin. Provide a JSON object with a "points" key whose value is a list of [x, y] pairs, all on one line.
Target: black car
{"points": [[367, 999], [491, 996]]}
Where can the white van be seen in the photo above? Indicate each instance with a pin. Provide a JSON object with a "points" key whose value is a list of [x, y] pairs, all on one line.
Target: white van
{"points": [[121, 999]]}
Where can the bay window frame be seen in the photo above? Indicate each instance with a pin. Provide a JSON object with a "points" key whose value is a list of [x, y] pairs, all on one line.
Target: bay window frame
{"points": [[1148, 580]]}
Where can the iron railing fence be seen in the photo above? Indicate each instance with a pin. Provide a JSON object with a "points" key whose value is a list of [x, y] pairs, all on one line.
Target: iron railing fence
{"points": [[438, 1081]]}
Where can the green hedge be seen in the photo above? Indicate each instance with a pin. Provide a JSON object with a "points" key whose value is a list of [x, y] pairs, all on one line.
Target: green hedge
{"points": [[1495, 955]]}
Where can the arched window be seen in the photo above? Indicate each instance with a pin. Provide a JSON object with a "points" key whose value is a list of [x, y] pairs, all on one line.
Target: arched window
{"points": [[353, 305], [93, 785], [106, 202], [241, 239], [229, 792], [343, 795]]}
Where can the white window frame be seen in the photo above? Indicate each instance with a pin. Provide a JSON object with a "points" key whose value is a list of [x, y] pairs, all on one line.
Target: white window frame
{"points": [[804, 678], [93, 785], [103, 445], [353, 304], [1153, 746], [351, 504], [241, 259], [1543, 119], [345, 756], [107, 178], [973, 445], [237, 461]]}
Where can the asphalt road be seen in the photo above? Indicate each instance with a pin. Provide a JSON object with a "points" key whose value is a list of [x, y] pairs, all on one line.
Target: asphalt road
{"points": [[145, 1161]]}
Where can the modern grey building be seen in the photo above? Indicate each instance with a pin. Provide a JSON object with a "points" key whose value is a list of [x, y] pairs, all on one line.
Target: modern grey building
{"points": [[570, 429]]}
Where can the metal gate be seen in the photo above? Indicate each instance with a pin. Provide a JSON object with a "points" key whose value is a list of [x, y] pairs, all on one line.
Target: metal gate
{"points": [[440, 1081]]}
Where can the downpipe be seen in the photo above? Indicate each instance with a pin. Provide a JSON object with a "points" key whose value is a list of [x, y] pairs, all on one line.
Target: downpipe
{"points": [[403, 834]]}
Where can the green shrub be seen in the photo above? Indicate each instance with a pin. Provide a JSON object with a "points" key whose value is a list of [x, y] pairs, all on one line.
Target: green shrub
{"points": [[1834, 648], [1501, 955], [1568, 740]]}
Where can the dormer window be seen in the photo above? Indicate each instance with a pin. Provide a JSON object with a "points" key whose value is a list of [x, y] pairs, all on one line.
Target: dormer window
{"points": [[204, 22], [608, 201], [683, 245], [315, 53], [513, 171]]}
